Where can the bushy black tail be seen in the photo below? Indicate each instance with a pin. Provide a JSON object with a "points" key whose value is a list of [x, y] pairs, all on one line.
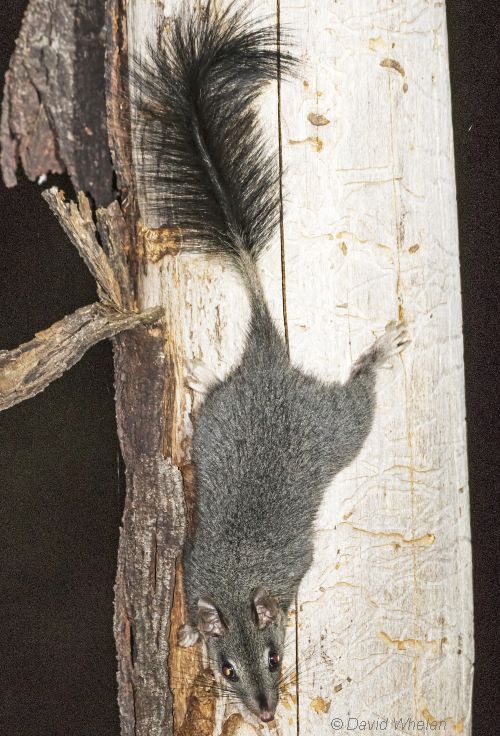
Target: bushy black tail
{"points": [[207, 171]]}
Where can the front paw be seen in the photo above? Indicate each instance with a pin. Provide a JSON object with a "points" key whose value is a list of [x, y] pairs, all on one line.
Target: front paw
{"points": [[187, 636]]}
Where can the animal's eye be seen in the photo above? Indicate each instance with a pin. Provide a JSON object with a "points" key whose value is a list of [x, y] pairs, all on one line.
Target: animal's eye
{"points": [[229, 671], [274, 661]]}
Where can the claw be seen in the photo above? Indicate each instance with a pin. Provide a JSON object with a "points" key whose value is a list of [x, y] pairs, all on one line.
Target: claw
{"points": [[395, 339]]}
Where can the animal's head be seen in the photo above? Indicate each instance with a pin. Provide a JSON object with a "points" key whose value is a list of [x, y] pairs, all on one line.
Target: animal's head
{"points": [[245, 647]]}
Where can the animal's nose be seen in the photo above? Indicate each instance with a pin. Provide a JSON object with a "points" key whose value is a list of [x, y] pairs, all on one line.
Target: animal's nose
{"points": [[266, 716]]}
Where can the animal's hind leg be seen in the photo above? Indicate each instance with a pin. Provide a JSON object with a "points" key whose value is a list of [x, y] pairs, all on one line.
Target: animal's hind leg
{"points": [[392, 342], [357, 397]]}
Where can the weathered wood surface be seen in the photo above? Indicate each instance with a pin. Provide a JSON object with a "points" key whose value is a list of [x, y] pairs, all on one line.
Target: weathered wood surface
{"points": [[54, 110], [385, 616], [153, 525]]}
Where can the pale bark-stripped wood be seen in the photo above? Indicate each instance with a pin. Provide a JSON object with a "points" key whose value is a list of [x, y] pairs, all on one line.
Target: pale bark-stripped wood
{"points": [[370, 235], [385, 615]]}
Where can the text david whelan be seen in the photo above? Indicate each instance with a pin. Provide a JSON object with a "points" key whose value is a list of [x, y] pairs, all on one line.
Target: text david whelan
{"points": [[405, 725]]}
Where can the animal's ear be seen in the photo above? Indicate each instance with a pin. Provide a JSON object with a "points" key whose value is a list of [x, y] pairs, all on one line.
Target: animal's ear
{"points": [[209, 619], [266, 608]]}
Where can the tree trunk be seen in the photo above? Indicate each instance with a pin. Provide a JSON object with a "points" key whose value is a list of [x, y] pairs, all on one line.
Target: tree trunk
{"points": [[382, 628]]}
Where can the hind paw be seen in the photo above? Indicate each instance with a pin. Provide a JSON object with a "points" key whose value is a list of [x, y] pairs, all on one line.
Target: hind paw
{"points": [[395, 339]]}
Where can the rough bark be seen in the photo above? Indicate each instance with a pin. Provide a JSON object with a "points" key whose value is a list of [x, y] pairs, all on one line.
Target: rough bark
{"points": [[150, 539], [152, 534], [54, 112], [30, 368], [53, 120]]}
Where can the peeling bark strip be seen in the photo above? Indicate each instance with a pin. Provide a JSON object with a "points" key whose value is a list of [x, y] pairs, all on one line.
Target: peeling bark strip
{"points": [[115, 239], [150, 540], [54, 112], [78, 225], [30, 368], [117, 102], [152, 532]]}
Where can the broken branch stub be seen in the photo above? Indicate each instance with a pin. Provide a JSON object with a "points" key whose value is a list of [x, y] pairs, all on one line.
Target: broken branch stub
{"points": [[115, 239], [31, 367]]}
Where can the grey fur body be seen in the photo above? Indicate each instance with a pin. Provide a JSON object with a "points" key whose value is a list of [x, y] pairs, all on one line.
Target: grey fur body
{"points": [[267, 442]]}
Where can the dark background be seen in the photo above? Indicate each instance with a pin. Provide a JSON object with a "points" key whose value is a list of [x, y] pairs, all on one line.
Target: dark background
{"points": [[60, 489]]}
